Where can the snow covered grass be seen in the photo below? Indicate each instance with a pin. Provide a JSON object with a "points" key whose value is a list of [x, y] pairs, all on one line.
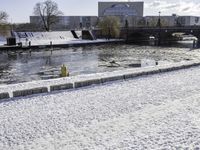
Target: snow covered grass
{"points": [[153, 112]]}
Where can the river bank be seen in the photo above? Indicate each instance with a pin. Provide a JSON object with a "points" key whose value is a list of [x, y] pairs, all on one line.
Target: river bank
{"points": [[58, 44], [75, 82]]}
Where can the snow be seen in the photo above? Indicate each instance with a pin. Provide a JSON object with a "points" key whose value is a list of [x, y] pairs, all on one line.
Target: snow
{"points": [[56, 37], [2, 40], [154, 112]]}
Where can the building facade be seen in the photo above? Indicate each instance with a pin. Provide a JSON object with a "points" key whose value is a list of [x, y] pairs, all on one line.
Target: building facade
{"points": [[170, 21], [69, 22], [173, 20], [130, 12], [122, 9], [188, 21]]}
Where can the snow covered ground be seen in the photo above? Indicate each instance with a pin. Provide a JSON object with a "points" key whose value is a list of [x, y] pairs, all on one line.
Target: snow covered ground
{"points": [[56, 37], [2, 40], [155, 112], [47, 83], [2, 43]]}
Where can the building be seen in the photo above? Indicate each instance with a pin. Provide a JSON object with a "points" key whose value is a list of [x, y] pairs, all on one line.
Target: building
{"points": [[122, 9], [165, 20], [188, 21], [173, 20], [69, 22], [131, 12]]}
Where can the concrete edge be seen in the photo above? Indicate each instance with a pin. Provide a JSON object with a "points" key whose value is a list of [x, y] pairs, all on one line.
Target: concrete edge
{"points": [[26, 92], [84, 83], [130, 74], [61, 87], [4, 95], [111, 78]]}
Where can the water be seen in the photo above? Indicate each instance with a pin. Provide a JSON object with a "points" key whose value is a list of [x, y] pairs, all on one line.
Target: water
{"points": [[23, 66]]}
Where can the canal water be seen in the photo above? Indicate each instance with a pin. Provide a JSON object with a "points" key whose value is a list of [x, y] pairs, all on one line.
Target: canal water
{"points": [[23, 66]]}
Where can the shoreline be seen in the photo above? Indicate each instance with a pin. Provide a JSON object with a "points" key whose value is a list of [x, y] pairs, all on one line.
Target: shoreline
{"points": [[76, 82], [75, 43]]}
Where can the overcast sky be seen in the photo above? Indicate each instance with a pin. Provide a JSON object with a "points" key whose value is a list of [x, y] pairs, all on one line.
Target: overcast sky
{"points": [[20, 10]]}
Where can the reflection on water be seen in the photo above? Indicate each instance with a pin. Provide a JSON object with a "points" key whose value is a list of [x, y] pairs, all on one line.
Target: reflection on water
{"points": [[24, 66]]}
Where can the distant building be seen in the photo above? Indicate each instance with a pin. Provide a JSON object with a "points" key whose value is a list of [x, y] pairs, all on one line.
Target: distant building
{"points": [[69, 22], [188, 21], [165, 20], [120, 9], [129, 13], [132, 12], [173, 20]]}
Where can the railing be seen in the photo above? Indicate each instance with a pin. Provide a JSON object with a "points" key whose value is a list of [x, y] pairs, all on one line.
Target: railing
{"points": [[163, 27]]}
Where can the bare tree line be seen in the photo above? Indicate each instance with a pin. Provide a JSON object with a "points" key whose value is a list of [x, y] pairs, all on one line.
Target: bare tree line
{"points": [[3, 16], [48, 12]]}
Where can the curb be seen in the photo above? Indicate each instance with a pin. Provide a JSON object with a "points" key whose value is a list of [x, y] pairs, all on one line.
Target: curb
{"points": [[27, 92], [86, 83], [61, 87], [4, 95], [104, 78]]}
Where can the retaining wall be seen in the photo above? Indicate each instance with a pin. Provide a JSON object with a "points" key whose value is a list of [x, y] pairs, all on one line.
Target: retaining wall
{"points": [[98, 79]]}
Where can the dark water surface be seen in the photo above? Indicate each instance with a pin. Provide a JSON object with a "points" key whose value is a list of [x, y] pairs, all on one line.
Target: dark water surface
{"points": [[22, 66]]}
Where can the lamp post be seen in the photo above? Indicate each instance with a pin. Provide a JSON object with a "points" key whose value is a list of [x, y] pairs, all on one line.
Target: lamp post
{"points": [[159, 26], [159, 19], [126, 26]]}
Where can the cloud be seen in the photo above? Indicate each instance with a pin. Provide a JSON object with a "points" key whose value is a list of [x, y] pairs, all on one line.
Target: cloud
{"points": [[189, 8], [186, 9], [168, 7], [163, 5], [155, 4]]}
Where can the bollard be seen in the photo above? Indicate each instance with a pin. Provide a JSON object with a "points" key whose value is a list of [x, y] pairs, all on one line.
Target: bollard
{"points": [[64, 71]]}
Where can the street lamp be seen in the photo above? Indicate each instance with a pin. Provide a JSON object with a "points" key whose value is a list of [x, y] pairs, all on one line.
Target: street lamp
{"points": [[126, 26], [159, 21], [159, 25]]}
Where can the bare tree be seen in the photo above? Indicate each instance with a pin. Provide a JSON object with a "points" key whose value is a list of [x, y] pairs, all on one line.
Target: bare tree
{"points": [[48, 12], [3, 16]]}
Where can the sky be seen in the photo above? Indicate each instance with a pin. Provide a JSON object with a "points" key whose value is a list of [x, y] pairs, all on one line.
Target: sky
{"points": [[20, 10]]}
